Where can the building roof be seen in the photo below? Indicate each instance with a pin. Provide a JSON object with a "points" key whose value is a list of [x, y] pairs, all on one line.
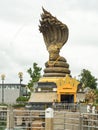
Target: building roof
{"points": [[46, 84], [13, 84]]}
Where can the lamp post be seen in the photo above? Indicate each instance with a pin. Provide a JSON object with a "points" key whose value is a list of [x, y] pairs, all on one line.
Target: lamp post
{"points": [[26, 91], [20, 74], [3, 78]]}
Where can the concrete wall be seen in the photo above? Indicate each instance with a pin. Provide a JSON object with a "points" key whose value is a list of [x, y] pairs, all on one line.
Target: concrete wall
{"points": [[43, 97]]}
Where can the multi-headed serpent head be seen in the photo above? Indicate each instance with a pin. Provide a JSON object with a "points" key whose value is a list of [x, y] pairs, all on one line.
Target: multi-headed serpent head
{"points": [[55, 33]]}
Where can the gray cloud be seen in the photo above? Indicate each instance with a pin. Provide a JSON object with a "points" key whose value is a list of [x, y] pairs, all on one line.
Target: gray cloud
{"points": [[84, 5], [21, 43]]}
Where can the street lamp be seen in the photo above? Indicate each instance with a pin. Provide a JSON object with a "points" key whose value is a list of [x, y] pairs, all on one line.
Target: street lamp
{"points": [[3, 78], [20, 74]]}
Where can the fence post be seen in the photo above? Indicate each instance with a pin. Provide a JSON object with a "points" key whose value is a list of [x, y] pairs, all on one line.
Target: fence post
{"points": [[81, 121], [10, 119], [49, 119]]}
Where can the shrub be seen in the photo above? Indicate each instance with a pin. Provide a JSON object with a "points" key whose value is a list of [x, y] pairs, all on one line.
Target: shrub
{"points": [[22, 99]]}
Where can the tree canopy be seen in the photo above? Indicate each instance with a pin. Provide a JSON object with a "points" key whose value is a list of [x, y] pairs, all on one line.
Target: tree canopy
{"points": [[87, 79], [35, 74]]}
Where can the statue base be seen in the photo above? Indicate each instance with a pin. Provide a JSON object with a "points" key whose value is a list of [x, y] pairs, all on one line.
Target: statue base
{"points": [[56, 68]]}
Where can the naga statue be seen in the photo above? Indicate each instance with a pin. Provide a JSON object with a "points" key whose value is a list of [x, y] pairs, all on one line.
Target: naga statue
{"points": [[55, 35]]}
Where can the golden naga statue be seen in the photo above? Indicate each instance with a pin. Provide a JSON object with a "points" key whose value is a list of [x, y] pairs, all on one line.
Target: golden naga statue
{"points": [[55, 35]]}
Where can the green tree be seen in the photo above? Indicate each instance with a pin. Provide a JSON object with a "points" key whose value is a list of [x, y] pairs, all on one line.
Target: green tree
{"points": [[97, 95], [35, 74], [87, 79]]}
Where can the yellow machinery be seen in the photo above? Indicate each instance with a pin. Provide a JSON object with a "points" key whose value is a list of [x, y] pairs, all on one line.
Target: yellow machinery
{"points": [[66, 88]]}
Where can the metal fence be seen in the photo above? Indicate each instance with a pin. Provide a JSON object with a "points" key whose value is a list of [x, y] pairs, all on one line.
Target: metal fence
{"points": [[89, 121], [3, 119], [70, 107], [65, 120], [69, 118], [27, 119], [22, 120]]}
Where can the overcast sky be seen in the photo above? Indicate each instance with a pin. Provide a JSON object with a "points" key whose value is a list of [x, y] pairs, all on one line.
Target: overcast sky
{"points": [[21, 43]]}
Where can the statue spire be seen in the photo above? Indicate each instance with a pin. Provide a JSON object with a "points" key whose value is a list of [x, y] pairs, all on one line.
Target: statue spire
{"points": [[55, 35]]}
